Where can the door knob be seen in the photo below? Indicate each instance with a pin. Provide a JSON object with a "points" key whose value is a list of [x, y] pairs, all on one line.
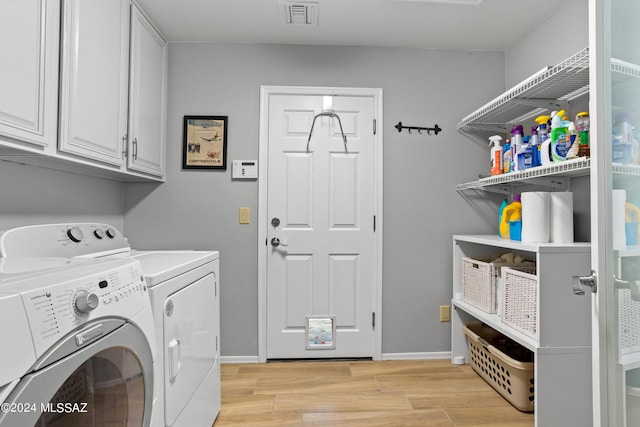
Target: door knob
{"points": [[580, 281], [275, 242]]}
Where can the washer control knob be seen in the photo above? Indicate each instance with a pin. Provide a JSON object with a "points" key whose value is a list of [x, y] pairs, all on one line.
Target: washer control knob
{"points": [[75, 234], [98, 233], [111, 233], [86, 302]]}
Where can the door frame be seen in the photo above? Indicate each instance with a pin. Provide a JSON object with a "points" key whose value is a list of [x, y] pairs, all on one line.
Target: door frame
{"points": [[265, 94]]}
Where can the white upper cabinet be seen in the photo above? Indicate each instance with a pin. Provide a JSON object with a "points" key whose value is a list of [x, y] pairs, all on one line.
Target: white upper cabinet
{"points": [[29, 73], [94, 83], [147, 97]]}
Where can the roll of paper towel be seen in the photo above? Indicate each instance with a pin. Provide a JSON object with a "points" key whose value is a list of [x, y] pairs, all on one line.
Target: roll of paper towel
{"points": [[619, 198], [561, 217], [535, 217]]}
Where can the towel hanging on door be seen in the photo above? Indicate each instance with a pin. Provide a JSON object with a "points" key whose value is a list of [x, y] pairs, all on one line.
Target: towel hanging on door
{"points": [[327, 113]]}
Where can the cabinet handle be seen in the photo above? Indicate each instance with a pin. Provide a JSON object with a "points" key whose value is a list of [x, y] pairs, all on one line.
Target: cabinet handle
{"points": [[135, 148], [124, 146]]}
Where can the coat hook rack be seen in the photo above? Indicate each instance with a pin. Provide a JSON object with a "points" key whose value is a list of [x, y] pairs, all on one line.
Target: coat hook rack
{"points": [[434, 129]]}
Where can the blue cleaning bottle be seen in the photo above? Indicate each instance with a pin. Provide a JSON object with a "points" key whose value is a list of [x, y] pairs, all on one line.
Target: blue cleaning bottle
{"points": [[502, 206]]}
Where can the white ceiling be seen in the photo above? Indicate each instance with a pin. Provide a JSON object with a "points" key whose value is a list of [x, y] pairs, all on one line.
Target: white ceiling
{"points": [[425, 24]]}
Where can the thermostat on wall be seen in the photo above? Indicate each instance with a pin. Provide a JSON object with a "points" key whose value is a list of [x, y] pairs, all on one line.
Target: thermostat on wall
{"points": [[244, 169]]}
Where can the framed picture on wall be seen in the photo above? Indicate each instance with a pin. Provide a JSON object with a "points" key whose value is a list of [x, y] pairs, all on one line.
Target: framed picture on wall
{"points": [[205, 142]]}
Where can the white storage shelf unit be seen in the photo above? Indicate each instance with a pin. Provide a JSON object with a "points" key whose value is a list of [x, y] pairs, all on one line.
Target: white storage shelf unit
{"points": [[562, 347]]}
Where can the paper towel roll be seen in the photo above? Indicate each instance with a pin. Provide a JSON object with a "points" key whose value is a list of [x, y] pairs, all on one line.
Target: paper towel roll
{"points": [[619, 198], [535, 217], [561, 217]]}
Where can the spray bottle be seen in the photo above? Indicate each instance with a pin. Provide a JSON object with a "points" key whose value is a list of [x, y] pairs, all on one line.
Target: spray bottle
{"points": [[496, 155]]}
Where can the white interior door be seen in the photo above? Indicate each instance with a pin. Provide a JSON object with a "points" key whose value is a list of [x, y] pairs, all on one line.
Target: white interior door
{"points": [[320, 239]]}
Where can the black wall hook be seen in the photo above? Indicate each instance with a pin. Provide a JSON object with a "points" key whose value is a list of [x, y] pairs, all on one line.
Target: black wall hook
{"points": [[434, 129]]}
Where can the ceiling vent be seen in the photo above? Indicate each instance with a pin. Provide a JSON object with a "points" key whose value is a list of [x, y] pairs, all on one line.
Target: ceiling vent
{"points": [[298, 13]]}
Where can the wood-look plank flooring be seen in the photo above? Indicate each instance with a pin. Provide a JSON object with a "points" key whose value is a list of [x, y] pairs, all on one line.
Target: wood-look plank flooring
{"points": [[362, 393]]}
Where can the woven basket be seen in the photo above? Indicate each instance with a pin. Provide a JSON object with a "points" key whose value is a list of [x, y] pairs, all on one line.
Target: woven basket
{"points": [[628, 323], [519, 303], [481, 282]]}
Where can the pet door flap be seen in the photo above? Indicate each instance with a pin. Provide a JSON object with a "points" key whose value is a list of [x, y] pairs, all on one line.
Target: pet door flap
{"points": [[320, 333]]}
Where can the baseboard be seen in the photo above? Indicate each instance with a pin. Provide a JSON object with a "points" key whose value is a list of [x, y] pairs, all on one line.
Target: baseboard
{"points": [[238, 359], [417, 356], [385, 356]]}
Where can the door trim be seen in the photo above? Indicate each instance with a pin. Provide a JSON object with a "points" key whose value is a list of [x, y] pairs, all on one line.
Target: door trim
{"points": [[265, 93]]}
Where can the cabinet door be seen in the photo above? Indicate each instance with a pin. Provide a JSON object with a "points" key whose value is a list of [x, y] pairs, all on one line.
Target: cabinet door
{"points": [[29, 35], [93, 92], [615, 192], [147, 97]]}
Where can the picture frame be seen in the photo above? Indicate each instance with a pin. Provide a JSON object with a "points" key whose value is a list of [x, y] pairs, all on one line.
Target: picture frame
{"points": [[204, 144]]}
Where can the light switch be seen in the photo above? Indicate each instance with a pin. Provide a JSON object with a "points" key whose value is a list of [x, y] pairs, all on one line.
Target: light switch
{"points": [[245, 215]]}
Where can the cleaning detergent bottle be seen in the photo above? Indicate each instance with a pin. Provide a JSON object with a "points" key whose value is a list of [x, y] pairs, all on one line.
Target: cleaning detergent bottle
{"points": [[560, 138], [511, 213], [496, 155], [517, 144], [534, 143], [506, 157], [572, 134], [622, 139], [544, 141], [582, 126], [500, 210]]}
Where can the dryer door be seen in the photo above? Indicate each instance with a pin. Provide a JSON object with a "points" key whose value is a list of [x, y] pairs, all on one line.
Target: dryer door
{"points": [[108, 382], [189, 343]]}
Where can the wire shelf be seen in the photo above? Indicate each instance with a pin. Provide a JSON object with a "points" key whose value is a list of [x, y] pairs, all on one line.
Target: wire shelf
{"points": [[577, 167], [563, 82]]}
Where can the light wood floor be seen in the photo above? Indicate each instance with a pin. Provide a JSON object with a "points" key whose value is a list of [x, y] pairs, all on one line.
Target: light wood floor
{"points": [[362, 393]]}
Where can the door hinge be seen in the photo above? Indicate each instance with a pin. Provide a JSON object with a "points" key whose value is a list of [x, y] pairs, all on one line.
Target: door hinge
{"points": [[373, 320], [374, 223], [374, 126]]}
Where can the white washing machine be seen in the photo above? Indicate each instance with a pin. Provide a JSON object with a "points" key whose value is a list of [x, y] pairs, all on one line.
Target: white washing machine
{"points": [[184, 292], [79, 343]]}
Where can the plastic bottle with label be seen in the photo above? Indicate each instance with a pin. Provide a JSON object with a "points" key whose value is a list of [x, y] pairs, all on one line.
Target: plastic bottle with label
{"points": [[507, 157], [511, 213], [560, 138], [497, 164], [582, 127], [517, 144], [622, 139], [544, 141]]}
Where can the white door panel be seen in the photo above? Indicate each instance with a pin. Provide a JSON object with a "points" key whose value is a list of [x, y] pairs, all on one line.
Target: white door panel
{"points": [[324, 199]]}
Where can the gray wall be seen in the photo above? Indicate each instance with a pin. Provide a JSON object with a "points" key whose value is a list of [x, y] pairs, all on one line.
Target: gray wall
{"points": [[198, 209], [558, 37], [33, 195]]}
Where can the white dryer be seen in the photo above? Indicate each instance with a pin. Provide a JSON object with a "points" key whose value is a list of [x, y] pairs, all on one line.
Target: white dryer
{"points": [[184, 292], [79, 343]]}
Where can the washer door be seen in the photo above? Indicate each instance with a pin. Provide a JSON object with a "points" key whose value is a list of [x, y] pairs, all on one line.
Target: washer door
{"points": [[108, 382]]}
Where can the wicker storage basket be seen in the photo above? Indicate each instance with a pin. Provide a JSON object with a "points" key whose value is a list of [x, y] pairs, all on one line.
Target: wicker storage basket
{"points": [[519, 303], [503, 363], [481, 282], [628, 323]]}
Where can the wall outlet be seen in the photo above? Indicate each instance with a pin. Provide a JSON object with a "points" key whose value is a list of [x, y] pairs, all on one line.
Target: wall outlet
{"points": [[445, 313]]}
